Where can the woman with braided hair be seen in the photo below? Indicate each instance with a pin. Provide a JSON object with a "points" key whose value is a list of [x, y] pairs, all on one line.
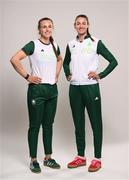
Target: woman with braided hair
{"points": [[45, 63], [80, 67]]}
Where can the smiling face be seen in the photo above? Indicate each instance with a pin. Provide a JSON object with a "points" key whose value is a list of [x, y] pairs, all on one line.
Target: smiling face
{"points": [[46, 28], [81, 25]]}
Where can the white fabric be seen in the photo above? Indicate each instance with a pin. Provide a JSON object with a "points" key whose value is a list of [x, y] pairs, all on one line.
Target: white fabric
{"points": [[43, 62], [84, 59]]}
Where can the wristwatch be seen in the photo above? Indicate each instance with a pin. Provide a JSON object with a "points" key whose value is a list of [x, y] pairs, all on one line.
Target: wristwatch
{"points": [[27, 76]]}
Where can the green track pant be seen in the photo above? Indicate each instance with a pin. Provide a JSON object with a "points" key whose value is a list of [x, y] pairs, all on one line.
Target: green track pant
{"points": [[81, 97], [42, 102]]}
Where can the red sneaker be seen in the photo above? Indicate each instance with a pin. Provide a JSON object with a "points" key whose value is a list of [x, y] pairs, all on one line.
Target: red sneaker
{"points": [[78, 161], [94, 166]]}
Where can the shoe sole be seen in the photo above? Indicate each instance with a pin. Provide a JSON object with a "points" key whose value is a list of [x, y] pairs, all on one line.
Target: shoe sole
{"points": [[35, 171], [53, 167], [92, 170], [72, 167]]}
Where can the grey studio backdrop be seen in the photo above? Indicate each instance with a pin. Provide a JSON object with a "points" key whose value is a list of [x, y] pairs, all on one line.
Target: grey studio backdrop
{"points": [[108, 22]]}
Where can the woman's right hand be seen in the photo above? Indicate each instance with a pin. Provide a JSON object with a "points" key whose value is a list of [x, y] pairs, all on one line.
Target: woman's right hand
{"points": [[69, 77], [34, 79]]}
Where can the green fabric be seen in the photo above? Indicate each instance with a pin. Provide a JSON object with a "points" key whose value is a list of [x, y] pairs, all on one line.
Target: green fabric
{"points": [[29, 48], [42, 102], [34, 167], [51, 163], [66, 62], [81, 97], [102, 50]]}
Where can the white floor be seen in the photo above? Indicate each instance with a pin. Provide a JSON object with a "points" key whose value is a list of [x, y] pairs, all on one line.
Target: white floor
{"points": [[15, 162]]}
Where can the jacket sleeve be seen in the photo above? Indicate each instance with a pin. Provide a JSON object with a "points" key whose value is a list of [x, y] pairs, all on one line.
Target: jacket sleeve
{"points": [[66, 62], [102, 50]]}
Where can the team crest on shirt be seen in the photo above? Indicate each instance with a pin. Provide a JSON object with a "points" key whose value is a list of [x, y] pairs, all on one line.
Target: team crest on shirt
{"points": [[88, 49]]}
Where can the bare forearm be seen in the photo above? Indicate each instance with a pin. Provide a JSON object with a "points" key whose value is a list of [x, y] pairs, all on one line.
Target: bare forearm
{"points": [[16, 62], [18, 67], [58, 68]]}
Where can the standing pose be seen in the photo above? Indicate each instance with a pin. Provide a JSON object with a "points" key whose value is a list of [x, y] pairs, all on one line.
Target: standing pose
{"points": [[45, 63], [80, 65]]}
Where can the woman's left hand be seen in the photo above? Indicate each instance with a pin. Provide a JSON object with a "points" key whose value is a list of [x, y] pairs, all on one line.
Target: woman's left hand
{"points": [[93, 75]]}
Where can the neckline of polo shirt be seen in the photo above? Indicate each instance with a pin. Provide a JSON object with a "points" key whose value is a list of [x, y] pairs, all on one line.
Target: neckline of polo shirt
{"points": [[86, 37], [44, 43]]}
